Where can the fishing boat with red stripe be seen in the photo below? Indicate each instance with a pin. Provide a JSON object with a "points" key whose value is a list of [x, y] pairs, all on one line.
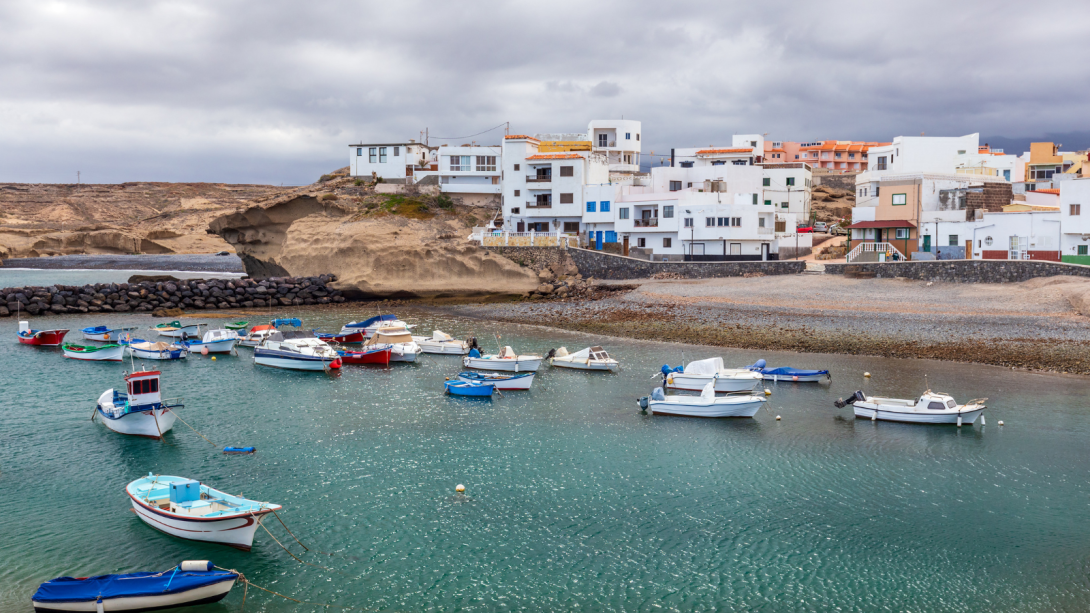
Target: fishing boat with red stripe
{"points": [[139, 410], [344, 339], [41, 338], [188, 509]]}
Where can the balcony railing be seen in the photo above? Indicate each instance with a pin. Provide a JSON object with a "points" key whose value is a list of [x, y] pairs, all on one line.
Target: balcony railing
{"points": [[652, 222], [539, 178], [539, 205], [764, 230], [880, 166]]}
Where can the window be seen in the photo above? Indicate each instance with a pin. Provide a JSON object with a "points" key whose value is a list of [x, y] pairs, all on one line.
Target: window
{"points": [[485, 163], [953, 240], [641, 242], [516, 166], [373, 155], [517, 192], [515, 211], [881, 163], [837, 155], [628, 136], [754, 198], [382, 155], [359, 151], [900, 199], [876, 188], [603, 140], [622, 213], [567, 198], [675, 186], [397, 152], [567, 171], [545, 200], [851, 156], [736, 222], [1082, 249], [768, 202], [627, 159], [936, 406], [459, 163], [902, 232], [790, 180], [710, 222], [783, 205], [1076, 209], [590, 207], [689, 184], [154, 385], [961, 152], [571, 227], [767, 182], [667, 243], [604, 206], [637, 136], [688, 222], [760, 222], [668, 211], [685, 164]]}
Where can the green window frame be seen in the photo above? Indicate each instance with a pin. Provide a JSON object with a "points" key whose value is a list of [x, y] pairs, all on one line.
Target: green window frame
{"points": [[1082, 249], [768, 202], [767, 182], [903, 199], [754, 198], [790, 180]]}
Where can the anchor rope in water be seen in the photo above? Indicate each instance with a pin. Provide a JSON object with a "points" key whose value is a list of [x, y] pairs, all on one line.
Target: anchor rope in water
{"points": [[192, 428], [246, 582], [297, 558]]}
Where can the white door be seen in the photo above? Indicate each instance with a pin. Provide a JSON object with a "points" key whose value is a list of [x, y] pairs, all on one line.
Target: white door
{"points": [[736, 248], [696, 249], [764, 252]]}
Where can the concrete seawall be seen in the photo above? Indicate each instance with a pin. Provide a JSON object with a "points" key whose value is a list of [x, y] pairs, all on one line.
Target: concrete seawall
{"points": [[616, 267]]}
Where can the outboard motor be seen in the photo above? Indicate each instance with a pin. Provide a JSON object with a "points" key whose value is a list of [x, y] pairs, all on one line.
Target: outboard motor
{"points": [[473, 342], [551, 354], [857, 396]]}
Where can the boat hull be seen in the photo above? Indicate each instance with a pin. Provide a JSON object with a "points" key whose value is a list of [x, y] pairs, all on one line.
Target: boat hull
{"points": [[106, 354], [204, 594], [797, 378], [867, 411], [178, 332], [149, 423], [450, 348], [504, 365], [278, 360], [681, 381], [43, 338], [504, 383], [145, 354], [592, 365], [365, 357], [471, 389], [747, 408], [224, 346], [344, 339], [236, 531]]}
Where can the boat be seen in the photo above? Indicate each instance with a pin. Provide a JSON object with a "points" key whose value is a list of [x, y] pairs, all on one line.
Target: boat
{"points": [[215, 341], [256, 334], [695, 375], [929, 408], [506, 360], [379, 354], [296, 351], [139, 410], [368, 326], [402, 346], [502, 381], [236, 326], [192, 582], [188, 509], [98, 353], [704, 405], [175, 329], [103, 333], [591, 358], [443, 343], [156, 350], [469, 388], [785, 373], [344, 339], [41, 338]]}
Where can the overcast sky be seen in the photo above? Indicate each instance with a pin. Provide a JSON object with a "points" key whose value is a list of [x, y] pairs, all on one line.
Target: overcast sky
{"points": [[274, 91]]}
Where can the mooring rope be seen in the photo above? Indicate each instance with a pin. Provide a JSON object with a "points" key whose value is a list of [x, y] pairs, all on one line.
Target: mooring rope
{"points": [[246, 582], [297, 558], [193, 429]]}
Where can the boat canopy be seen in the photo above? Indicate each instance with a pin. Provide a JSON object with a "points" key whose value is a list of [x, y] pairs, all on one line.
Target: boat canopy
{"points": [[710, 366], [173, 324], [597, 353], [438, 335], [156, 346], [399, 335], [369, 322], [91, 589], [294, 321], [473, 353], [657, 394], [96, 329], [562, 352], [582, 355], [507, 353]]}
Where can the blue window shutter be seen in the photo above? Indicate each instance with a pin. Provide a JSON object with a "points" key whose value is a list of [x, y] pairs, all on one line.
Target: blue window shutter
{"points": [[611, 237], [590, 207], [605, 207]]}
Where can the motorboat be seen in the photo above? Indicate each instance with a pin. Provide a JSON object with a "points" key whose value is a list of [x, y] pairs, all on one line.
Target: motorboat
{"points": [[520, 381], [469, 388], [139, 410], [188, 509], [442, 343], [41, 338], [695, 375], [103, 333], [97, 353], [344, 339], [190, 583], [256, 335], [237, 325], [175, 329], [929, 408], [591, 358], [369, 326], [215, 341], [785, 373], [402, 346], [296, 351], [707, 404], [156, 350], [506, 360], [378, 354]]}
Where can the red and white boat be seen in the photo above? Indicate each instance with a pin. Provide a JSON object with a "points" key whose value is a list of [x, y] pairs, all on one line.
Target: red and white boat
{"points": [[42, 338], [351, 337], [374, 355]]}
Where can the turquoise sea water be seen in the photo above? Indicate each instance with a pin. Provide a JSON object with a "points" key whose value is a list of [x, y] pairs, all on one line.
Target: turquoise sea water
{"points": [[574, 500], [22, 277]]}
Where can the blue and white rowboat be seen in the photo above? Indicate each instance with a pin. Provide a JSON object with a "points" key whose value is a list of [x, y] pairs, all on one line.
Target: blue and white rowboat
{"points": [[103, 333], [467, 388], [190, 583], [216, 341], [502, 381]]}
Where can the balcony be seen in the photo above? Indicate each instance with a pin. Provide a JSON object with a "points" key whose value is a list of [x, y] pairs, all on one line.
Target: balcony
{"points": [[539, 178], [535, 205], [764, 230], [651, 222]]}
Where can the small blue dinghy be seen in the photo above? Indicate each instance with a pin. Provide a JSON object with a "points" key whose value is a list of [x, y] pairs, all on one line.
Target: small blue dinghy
{"points": [[470, 388], [189, 583], [786, 373]]}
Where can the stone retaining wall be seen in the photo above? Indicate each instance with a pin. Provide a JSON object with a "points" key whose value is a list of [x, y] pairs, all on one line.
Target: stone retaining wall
{"points": [[963, 271], [602, 265], [188, 294]]}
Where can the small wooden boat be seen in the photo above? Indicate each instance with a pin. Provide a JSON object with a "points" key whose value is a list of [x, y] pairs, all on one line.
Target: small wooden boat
{"points": [[344, 339], [215, 341], [256, 335], [175, 329], [372, 355], [190, 510], [402, 346], [502, 381], [236, 326], [369, 326], [139, 410], [157, 350], [192, 582], [695, 375], [98, 353], [469, 388], [506, 360], [591, 358], [442, 343], [929, 408], [103, 333], [296, 351], [789, 374], [704, 405], [41, 338]]}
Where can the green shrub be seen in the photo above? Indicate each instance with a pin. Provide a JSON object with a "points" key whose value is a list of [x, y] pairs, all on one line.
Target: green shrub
{"points": [[359, 182], [444, 201]]}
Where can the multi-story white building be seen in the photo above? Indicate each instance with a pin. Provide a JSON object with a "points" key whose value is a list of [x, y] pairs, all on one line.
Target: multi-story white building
{"points": [[390, 161], [545, 192], [471, 172], [619, 141]]}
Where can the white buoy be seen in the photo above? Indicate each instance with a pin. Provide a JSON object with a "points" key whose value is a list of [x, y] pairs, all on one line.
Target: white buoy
{"points": [[1000, 422], [874, 417], [959, 420], [982, 420], [460, 488], [777, 418], [867, 375]]}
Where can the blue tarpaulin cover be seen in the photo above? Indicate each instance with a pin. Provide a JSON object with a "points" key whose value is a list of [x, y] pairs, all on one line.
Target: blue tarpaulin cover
{"points": [[69, 589], [294, 321], [373, 320], [784, 371]]}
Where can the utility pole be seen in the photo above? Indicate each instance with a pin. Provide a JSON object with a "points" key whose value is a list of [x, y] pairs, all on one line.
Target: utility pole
{"points": [[77, 179]]}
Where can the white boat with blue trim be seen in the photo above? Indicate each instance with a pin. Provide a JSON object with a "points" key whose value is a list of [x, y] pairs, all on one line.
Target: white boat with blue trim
{"points": [[502, 381], [707, 404], [139, 410], [157, 350], [104, 333], [506, 360], [929, 408], [175, 329], [369, 326], [591, 358], [215, 341], [695, 375], [296, 351], [190, 510]]}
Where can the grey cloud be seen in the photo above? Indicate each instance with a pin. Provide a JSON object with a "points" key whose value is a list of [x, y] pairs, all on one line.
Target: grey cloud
{"points": [[605, 89]]}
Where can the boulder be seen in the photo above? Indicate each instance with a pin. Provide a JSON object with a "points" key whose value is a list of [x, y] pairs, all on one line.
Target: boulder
{"points": [[545, 288], [168, 312], [151, 278]]}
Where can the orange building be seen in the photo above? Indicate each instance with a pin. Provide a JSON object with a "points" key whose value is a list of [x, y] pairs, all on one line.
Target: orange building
{"points": [[838, 156]]}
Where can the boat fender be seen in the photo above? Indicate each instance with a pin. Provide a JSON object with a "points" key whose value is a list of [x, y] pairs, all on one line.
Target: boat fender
{"points": [[643, 403], [196, 565], [239, 449]]}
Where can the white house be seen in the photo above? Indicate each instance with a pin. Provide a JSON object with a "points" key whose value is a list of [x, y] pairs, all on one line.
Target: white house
{"points": [[915, 154], [390, 161], [544, 192], [1075, 238], [619, 140], [471, 172]]}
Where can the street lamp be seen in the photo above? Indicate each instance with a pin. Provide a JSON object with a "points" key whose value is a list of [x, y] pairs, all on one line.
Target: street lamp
{"points": [[692, 235]]}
